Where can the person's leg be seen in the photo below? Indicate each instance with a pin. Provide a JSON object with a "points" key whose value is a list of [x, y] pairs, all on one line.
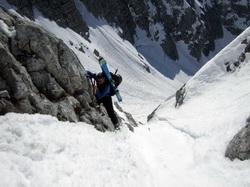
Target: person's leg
{"points": [[107, 102]]}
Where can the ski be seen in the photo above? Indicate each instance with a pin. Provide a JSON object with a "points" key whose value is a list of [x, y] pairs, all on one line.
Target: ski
{"points": [[105, 69]]}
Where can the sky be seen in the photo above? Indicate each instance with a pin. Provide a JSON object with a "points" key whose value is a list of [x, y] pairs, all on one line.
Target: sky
{"points": [[183, 146]]}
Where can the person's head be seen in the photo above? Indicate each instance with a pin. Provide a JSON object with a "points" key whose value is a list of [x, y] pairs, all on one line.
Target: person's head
{"points": [[100, 78]]}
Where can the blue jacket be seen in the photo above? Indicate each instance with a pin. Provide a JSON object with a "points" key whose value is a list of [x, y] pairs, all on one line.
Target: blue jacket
{"points": [[103, 89]]}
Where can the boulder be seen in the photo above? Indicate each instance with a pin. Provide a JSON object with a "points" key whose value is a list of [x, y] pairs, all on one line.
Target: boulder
{"points": [[239, 146]]}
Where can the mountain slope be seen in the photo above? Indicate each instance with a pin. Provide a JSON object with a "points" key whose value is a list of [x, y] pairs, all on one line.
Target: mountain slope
{"points": [[183, 34], [215, 108], [178, 147]]}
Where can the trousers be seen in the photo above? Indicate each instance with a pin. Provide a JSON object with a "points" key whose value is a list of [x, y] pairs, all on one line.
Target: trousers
{"points": [[108, 104]]}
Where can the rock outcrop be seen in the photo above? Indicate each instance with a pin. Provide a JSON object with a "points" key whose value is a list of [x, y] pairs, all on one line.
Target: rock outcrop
{"points": [[40, 74], [239, 146]]}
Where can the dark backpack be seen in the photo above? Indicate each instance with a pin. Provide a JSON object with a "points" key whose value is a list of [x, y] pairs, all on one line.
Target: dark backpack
{"points": [[117, 79]]}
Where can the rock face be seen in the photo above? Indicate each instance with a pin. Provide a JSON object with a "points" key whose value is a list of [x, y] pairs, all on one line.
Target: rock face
{"points": [[197, 23], [40, 74], [239, 146]]}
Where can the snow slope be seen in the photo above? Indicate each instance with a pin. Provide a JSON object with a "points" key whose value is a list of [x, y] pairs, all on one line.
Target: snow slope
{"points": [[215, 109], [178, 147]]}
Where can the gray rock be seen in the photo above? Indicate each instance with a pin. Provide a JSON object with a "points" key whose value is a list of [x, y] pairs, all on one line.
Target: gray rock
{"points": [[4, 94], [239, 146], [34, 64], [129, 121], [6, 106], [2, 84], [66, 109], [24, 106], [54, 91], [18, 88], [40, 79], [98, 116], [180, 96], [42, 105]]}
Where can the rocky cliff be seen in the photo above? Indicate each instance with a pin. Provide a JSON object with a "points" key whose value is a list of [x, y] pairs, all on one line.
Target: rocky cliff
{"points": [[40, 74], [197, 23]]}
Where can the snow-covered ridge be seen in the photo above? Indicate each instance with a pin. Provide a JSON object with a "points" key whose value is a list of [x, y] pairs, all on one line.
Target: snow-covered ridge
{"points": [[217, 68], [228, 65]]}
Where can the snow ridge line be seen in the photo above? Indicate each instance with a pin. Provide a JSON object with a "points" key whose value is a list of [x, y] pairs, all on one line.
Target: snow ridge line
{"points": [[182, 130]]}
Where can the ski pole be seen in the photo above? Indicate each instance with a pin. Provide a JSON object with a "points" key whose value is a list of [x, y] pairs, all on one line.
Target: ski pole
{"points": [[93, 85]]}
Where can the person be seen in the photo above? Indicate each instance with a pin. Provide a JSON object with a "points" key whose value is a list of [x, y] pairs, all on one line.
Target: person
{"points": [[102, 91]]}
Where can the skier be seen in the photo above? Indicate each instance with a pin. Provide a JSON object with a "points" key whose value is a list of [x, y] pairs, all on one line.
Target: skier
{"points": [[102, 91]]}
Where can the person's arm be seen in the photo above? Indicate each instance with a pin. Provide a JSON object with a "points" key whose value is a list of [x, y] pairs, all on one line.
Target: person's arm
{"points": [[90, 74], [105, 91]]}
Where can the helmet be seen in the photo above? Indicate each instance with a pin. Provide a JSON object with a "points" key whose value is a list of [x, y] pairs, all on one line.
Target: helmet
{"points": [[100, 75]]}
